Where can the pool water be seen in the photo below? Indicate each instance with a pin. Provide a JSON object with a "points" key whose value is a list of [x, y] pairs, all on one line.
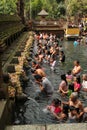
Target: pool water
{"points": [[31, 111]]}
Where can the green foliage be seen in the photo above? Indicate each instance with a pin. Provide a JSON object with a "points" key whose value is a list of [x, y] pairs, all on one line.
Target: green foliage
{"points": [[8, 6], [59, 11], [76, 7], [36, 7], [55, 8]]}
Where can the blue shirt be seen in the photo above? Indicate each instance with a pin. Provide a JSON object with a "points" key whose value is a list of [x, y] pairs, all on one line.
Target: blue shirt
{"points": [[75, 43]]}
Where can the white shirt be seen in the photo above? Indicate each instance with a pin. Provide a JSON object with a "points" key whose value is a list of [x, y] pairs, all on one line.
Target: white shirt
{"points": [[84, 84]]}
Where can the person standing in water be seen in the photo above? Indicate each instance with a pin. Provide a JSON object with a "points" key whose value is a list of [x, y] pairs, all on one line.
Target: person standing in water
{"points": [[77, 68], [75, 43], [84, 82], [63, 86], [62, 57]]}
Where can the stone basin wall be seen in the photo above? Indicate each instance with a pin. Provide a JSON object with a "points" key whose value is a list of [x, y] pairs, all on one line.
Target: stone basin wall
{"points": [[15, 68]]}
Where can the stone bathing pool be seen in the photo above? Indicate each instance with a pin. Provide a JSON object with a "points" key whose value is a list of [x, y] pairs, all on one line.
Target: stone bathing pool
{"points": [[31, 111]]}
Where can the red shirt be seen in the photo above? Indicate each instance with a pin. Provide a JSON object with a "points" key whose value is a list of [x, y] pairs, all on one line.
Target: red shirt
{"points": [[77, 86], [57, 110]]}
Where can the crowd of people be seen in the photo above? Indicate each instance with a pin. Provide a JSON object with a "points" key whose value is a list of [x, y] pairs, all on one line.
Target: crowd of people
{"points": [[48, 51]]}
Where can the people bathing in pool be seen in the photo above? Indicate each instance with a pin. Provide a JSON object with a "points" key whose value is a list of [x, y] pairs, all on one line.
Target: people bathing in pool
{"points": [[58, 110], [78, 112], [55, 107], [47, 54], [71, 111], [67, 89]]}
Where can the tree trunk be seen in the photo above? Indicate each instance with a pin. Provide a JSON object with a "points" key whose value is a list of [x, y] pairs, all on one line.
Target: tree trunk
{"points": [[20, 10]]}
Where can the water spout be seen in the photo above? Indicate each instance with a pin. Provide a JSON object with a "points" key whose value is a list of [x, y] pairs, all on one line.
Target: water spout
{"points": [[33, 100]]}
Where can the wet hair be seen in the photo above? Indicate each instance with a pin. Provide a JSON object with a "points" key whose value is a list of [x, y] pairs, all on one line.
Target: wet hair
{"points": [[38, 66], [37, 77], [66, 109], [49, 46], [57, 102], [69, 72], [46, 47], [71, 87], [62, 52], [78, 79], [77, 61], [75, 96], [36, 55], [33, 70], [48, 53], [60, 45], [71, 108], [34, 62], [57, 44], [63, 77]]}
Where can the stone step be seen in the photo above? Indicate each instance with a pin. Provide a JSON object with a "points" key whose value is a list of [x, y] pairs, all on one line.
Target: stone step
{"points": [[73, 126], [76, 126], [26, 127]]}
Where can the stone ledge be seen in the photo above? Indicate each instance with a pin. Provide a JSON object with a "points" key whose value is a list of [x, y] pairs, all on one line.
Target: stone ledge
{"points": [[26, 127], [77, 126], [74, 126]]}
